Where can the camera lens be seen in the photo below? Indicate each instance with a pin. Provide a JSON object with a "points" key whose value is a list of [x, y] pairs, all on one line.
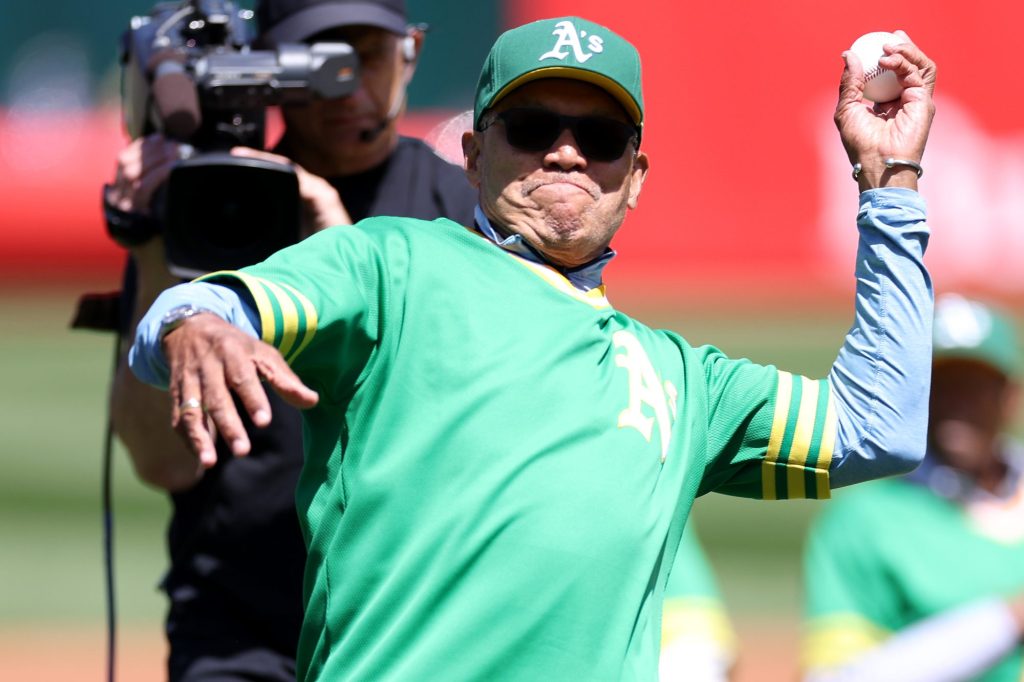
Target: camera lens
{"points": [[225, 212]]}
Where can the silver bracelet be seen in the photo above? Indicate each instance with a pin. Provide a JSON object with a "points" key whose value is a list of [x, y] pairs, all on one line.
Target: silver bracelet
{"points": [[890, 163], [175, 317]]}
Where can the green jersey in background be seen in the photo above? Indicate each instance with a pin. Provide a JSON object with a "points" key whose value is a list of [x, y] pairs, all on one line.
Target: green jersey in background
{"points": [[892, 553]]}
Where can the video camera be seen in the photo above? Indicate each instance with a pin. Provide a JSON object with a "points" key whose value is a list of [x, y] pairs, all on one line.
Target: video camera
{"points": [[188, 71]]}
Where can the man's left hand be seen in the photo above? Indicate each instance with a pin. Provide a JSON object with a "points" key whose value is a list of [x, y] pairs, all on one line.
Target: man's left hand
{"points": [[872, 132]]}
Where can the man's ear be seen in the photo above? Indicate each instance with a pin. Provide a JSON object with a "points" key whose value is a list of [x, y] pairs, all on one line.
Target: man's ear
{"points": [[471, 156], [412, 45], [638, 175]]}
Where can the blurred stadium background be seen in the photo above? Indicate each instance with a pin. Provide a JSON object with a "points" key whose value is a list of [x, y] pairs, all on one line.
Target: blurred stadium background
{"points": [[744, 238]]}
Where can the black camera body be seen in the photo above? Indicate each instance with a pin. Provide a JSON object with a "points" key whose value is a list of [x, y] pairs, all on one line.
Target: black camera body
{"points": [[190, 73]]}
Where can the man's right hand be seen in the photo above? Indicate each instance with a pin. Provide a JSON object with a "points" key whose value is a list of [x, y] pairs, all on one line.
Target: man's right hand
{"points": [[209, 359]]}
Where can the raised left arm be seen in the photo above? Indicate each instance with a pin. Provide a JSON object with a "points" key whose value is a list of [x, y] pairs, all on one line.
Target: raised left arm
{"points": [[881, 379]]}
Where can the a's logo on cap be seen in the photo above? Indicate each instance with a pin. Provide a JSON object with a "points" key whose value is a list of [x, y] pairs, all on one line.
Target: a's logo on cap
{"points": [[569, 38]]}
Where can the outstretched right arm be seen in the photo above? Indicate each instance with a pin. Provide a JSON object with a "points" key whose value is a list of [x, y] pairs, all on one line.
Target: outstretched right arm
{"points": [[209, 356]]}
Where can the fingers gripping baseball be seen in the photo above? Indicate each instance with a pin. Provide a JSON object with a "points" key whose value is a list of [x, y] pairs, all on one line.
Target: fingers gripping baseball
{"points": [[899, 128], [210, 360], [913, 54]]}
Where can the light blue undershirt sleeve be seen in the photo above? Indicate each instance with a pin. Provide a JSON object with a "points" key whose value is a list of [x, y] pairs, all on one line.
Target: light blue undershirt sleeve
{"points": [[146, 357], [881, 378]]}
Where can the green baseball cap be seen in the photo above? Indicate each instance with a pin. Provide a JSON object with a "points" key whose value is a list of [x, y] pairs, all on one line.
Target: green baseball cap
{"points": [[969, 330], [566, 47]]}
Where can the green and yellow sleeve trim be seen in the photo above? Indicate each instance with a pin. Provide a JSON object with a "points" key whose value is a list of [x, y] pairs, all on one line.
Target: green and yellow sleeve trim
{"points": [[802, 440], [832, 641], [287, 318]]}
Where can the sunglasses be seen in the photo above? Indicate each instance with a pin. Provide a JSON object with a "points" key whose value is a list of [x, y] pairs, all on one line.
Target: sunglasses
{"points": [[535, 130]]}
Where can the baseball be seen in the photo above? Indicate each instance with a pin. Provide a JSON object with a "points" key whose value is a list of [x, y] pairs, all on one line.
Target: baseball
{"points": [[881, 85]]}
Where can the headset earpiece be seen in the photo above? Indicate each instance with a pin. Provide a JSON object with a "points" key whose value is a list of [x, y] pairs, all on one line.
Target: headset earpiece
{"points": [[409, 48]]}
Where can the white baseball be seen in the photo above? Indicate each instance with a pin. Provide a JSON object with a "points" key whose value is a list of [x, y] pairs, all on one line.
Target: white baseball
{"points": [[881, 85]]}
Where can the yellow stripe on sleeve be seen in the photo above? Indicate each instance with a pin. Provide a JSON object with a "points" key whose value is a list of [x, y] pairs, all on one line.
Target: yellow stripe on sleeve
{"points": [[289, 317], [768, 481], [802, 435], [783, 394], [311, 320], [259, 296], [825, 452]]}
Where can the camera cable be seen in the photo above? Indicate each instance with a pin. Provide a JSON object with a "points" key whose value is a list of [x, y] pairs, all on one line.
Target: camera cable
{"points": [[99, 312], [108, 529]]}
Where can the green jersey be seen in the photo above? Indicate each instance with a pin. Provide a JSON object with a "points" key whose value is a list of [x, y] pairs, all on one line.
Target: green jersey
{"points": [[892, 553], [500, 466]]}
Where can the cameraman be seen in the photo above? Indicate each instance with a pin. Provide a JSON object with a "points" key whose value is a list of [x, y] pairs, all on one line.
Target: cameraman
{"points": [[236, 553]]}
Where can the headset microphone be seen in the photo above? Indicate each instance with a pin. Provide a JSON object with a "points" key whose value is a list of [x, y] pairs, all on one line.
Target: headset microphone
{"points": [[409, 52], [370, 134]]}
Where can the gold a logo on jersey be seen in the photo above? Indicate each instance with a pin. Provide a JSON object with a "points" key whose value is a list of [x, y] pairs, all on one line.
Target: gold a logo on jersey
{"points": [[568, 37], [646, 390]]}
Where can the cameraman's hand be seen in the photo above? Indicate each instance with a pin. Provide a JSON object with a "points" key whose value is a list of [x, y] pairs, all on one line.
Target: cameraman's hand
{"points": [[209, 359], [142, 167], [321, 205]]}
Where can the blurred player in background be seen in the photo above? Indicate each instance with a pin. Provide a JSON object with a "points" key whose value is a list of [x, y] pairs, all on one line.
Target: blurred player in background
{"points": [[921, 578], [237, 555], [698, 643]]}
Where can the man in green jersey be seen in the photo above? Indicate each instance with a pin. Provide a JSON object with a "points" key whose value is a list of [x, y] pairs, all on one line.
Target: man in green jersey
{"points": [[922, 578], [498, 464]]}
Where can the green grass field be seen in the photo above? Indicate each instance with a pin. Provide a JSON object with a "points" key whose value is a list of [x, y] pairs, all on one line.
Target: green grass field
{"points": [[53, 412]]}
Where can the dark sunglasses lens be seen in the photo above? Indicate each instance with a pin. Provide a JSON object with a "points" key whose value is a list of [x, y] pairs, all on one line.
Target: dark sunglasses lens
{"points": [[531, 130], [602, 139], [535, 130]]}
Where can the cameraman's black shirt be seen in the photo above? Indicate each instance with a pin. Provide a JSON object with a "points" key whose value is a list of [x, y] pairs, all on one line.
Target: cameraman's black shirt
{"points": [[427, 192], [237, 555]]}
